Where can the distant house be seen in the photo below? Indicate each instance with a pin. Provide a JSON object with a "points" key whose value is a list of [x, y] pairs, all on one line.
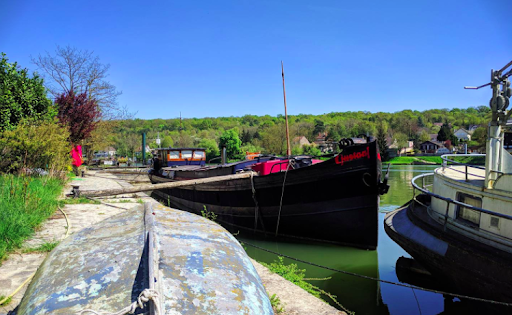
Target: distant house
{"points": [[111, 151], [322, 144], [438, 124], [430, 146], [463, 134], [301, 141], [394, 151], [433, 137]]}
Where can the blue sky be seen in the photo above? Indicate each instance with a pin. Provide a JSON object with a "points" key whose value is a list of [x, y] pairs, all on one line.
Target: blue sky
{"points": [[222, 58]]}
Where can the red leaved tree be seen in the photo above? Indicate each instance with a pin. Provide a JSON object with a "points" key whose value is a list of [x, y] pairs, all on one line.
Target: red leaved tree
{"points": [[79, 113]]}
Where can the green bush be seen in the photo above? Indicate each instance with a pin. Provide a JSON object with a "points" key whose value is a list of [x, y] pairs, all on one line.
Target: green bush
{"points": [[21, 96], [32, 145]]}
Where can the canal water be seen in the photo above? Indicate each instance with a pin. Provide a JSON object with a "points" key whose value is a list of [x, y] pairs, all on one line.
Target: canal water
{"points": [[364, 296]]}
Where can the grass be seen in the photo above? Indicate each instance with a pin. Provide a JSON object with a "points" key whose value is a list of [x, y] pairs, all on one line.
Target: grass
{"points": [[46, 247], [2, 297], [25, 202], [80, 200], [276, 304], [407, 160], [295, 275], [210, 215]]}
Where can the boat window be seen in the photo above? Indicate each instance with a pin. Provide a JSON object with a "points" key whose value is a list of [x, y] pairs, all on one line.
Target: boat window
{"points": [[469, 215], [174, 155], [187, 154], [199, 155], [495, 222]]}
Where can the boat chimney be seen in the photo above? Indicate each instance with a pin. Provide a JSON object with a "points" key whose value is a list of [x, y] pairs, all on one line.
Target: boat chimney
{"points": [[223, 155]]}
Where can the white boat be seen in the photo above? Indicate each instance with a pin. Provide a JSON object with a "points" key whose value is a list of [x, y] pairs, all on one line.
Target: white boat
{"points": [[460, 226]]}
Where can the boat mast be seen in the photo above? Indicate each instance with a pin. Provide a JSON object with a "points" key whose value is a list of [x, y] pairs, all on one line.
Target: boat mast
{"points": [[498, 160], [288, 149]]}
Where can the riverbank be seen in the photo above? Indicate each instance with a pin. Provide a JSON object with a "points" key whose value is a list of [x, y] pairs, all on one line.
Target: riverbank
{"points": [[20, 266]]}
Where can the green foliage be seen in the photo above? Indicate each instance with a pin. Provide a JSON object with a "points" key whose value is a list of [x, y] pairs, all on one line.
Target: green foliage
{"points": [[311, 150], [232, 142], [276, 304], [382, 142], [210, 215], [25, 202], [7, 300], [46, 247], [293, 274], [211, 148], [444, 133], [32, 145], [167, 142], [268, 133], [21, 96], [80, 200]]}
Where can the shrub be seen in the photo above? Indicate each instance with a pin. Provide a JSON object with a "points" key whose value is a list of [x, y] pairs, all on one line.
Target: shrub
{"points": [[35, 145], [21, 96]]}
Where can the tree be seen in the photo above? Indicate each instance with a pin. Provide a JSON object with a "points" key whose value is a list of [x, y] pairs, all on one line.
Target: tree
{"points": [[80, 113], [21, 96], [382, 142], [232, 142], [167, 142], [401, 141], [71, 69], [311, 150], [211, 148], [444, 133]]}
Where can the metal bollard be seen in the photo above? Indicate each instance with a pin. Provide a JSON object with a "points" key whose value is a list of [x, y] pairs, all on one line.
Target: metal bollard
{"points": [[75, 191]]}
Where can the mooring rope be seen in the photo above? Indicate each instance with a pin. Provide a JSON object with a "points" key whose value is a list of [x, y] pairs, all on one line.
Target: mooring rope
{"points": [[381, 280], [144, 297], [290, 162]]}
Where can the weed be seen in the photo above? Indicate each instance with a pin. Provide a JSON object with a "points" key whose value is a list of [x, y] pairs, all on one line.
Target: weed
{"points": [[210, 215], [80, 200], [295, 275], [140, 200], [6, 302], [46, 247], [276, 304]]}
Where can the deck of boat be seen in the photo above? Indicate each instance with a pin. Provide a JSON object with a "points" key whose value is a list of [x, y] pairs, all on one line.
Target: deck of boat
{"points": [[475, 176]]}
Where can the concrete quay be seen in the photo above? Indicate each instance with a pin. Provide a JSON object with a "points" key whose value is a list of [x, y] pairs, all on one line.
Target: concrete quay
{"points": [[20, 266]]}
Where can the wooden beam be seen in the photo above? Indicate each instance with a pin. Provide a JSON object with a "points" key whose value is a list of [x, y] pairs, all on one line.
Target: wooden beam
{"points": [[129, 190]]}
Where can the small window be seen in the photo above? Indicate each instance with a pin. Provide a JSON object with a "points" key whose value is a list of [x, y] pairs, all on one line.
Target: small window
{"points": [[187, 154], [471, 216], [495, 222], [199, 155], [174, 155]]}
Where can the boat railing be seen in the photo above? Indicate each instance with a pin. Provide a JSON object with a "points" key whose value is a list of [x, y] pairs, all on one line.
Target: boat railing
{"points": [[286, 162], [423, 188], [449, 162]]}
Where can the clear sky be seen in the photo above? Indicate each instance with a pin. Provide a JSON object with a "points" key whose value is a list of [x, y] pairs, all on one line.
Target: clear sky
{"points": [[222, 58]]}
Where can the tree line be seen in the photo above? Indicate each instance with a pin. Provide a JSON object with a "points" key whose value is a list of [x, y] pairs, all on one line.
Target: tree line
{"points": [[267, 134]]}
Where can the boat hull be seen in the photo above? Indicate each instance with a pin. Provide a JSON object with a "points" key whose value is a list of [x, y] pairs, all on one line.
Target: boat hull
{"points": [[195, 265], [462, 264], [334, 201]]}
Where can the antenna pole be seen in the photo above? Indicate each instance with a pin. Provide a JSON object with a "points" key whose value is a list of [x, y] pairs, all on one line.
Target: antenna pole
{"points": [[288, 149]]}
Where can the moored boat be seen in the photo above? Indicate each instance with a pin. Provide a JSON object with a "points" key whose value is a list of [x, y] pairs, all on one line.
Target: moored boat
{"points": [[152, 260], [461, 228], [333, 201]]}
